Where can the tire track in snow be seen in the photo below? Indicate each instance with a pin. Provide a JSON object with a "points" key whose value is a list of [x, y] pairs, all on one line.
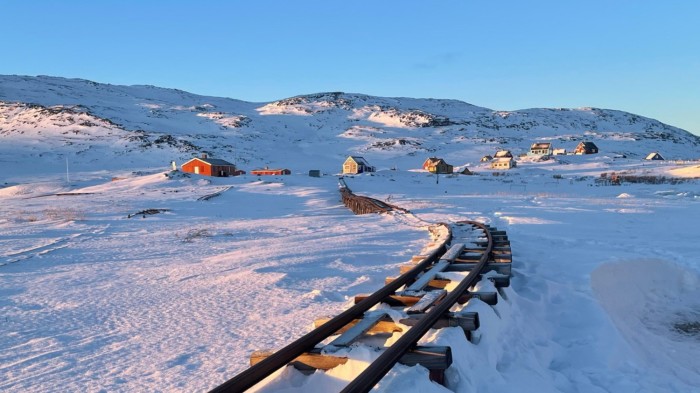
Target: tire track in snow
{"points": [[53, 245]]}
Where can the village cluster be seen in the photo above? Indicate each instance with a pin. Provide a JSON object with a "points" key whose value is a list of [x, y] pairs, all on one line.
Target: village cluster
{"points": [[501, 160]]}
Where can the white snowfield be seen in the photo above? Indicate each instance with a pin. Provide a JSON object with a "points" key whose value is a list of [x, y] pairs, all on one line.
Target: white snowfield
{"points": [[604, 295]]}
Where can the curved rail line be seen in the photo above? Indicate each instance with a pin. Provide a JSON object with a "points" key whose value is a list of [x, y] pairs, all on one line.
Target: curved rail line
{"points": [[414, 282], [371, 376], [259, 371], [363, 204]]}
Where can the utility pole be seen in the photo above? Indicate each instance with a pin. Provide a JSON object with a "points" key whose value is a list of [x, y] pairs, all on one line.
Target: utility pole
{"points": [[67, 174]]}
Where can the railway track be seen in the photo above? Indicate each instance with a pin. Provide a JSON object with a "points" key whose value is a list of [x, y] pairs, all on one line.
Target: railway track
{"points": [[466, 260], [363, 204]]}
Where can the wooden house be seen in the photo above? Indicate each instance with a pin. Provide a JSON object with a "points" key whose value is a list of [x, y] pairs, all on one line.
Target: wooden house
{"points": [[586, 148], [503, 154], [437, 165], [503, 163], [355, 165], [540, 149], [486, 158], [270, 172], [207, 166], [466, 171], [654, 156]]}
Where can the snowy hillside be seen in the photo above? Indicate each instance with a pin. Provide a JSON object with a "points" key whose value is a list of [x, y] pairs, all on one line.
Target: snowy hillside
{"points": [[50, 119]]}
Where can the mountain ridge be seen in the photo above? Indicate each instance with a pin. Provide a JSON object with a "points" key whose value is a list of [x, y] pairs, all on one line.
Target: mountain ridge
{"points": [[51, 118]]}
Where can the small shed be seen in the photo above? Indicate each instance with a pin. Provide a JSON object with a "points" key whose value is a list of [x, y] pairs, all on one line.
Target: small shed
{"points": [[655, 156], [559, 152], [486, 158], [355, 165], [315, 172], [586, 148], [466, 171], [503, 163], [204, 165], [270, 172], [437, 165], [503, 154], [540, 149]]}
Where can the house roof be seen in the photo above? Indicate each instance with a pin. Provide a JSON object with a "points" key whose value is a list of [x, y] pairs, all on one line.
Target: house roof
{"points": [[269, 170], [541, 145], [652, 155], [435, 160], [212, 161], [503, 153], [588, 145], [502, 159], [359, 160]]}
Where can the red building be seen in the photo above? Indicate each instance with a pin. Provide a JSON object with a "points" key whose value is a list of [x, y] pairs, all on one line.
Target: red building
{"points": [[270, 172], [210, 167]]}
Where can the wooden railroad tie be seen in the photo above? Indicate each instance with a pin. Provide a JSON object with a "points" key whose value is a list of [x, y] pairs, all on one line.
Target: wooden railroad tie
{"points": [[435, 358], [468, 321], [495, 250], [490, 298]]}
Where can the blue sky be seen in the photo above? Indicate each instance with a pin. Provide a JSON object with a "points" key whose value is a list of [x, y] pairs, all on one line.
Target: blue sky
{"points": [[638, 56]]}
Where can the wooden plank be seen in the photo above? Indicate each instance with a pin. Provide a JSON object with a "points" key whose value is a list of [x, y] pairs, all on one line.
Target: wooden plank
{"points": [[434, 283], [453, 252], [498, 267], [468, 321], [385, 325], [495, 243], [493, 258], [427, 301], [502, 258], [490, 298], [470, 257], [496, 240], [370, 319], [432, 358], [393, 300], [500, 280], [426, 277], [307, 362], [495, 250]]}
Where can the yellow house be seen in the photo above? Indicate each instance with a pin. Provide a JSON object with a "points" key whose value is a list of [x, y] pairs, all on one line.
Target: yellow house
{"points": [[503, 163], [437, 165], [355, 165]]}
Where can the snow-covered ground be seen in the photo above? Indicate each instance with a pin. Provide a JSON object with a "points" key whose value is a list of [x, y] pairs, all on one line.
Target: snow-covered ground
{"points": [[95, 298]]}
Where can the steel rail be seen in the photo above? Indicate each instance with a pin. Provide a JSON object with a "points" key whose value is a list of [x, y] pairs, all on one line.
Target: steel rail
{"points": [[256, 373], [375, 372]]}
